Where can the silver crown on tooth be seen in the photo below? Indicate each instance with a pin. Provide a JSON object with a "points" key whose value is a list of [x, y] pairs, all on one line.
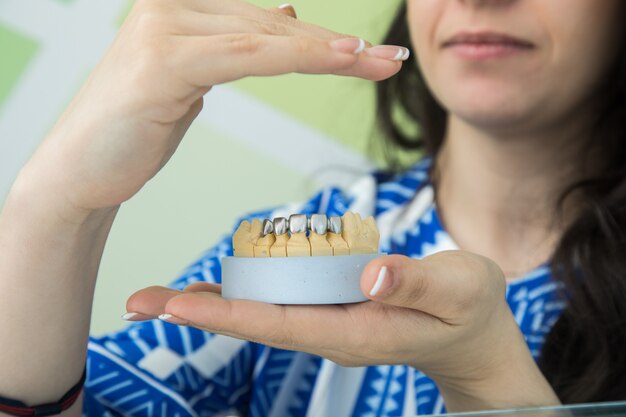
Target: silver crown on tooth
{"points": [[335, 225], [319, 224], [299, 223], [268, 227], [281, 225]]}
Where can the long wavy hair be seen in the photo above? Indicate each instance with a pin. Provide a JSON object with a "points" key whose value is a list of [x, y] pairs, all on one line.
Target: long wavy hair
{"points": [[584, 355]]}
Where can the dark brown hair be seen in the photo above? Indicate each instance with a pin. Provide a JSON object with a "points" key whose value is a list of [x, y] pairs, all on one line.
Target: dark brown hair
{"points": [[584, 356]]}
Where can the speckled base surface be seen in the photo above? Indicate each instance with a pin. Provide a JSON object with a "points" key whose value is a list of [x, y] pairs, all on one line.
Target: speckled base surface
{"points": [[298, 280]]}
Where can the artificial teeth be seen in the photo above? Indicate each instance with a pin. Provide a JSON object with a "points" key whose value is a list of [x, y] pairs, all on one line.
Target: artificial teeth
{"points": [[336, 241], [279, 248], [319, 245], [298, 244], [263, 245], [334, 224], [361, 235], [318, 224], [302, 236], [245, 237]]}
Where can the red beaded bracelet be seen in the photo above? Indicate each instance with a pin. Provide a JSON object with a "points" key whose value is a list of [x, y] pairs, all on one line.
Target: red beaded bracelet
{"points": [[18, 408]]}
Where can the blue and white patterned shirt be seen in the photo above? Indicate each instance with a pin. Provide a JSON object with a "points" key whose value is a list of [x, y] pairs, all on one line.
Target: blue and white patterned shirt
{"points": [[158, 369]]}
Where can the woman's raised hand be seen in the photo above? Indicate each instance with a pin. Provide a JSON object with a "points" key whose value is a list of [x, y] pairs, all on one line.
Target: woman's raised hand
{"points": [[134, 109], [445, 315]]}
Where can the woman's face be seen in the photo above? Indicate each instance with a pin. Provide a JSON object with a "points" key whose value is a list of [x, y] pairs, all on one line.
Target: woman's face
{"points": [[524, 64]]}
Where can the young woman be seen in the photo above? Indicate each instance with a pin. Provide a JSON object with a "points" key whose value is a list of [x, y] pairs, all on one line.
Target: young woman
{"points": [[521, 111]]}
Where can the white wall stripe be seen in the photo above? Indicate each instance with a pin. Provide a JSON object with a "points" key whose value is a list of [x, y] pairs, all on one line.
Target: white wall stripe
{"points": [[66, 55], [223, 110], [285, 140]]}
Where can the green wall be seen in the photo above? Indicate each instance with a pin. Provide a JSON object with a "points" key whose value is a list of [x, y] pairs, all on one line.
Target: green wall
{"points": [[17, 50]]}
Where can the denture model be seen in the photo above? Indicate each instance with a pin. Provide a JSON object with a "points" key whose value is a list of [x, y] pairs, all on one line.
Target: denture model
{"points": [[300, 260]]}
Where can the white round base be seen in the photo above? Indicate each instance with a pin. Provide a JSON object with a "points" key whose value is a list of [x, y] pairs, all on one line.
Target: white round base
{"points": [[297, 280]]}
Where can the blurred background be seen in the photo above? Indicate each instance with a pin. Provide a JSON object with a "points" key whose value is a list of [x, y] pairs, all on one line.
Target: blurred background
{"points": [[259, 142]]}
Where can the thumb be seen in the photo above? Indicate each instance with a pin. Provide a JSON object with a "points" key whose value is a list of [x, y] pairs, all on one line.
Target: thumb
{"points": [[445, 285]]}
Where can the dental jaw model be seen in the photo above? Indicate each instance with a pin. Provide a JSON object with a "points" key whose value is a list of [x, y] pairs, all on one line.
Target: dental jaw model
{"points": [[347, 235], [300, 260]]}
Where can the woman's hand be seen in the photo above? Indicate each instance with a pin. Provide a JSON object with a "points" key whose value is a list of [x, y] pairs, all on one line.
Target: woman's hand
{"points": [[134, 109], [445, 315]]}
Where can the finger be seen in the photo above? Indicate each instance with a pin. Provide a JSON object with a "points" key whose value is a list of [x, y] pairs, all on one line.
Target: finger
{"points": [[203, 287], [302, 327], [150, 301], [278, 15], [444, 285], [193, 23], [242, 55], [374, 68]]}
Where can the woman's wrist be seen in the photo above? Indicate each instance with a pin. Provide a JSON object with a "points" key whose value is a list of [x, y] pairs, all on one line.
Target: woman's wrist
{"points": [[45, 200], [510, 378]]}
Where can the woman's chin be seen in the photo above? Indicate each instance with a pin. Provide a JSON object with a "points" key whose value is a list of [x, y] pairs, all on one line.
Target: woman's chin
{"points": [[496, 117], [490, 103]]}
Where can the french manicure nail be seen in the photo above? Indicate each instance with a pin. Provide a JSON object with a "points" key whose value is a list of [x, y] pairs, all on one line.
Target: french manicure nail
{"points": [[348, 45], [128, 316], [393, 53], [290, 10], [383, 282], [134, 316], [173, 319]]}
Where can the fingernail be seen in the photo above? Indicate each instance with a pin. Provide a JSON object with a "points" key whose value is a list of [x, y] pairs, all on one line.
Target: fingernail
{"points": [[393, 53], [128, 316], [383, 282], [133, 316], [173, 319], [290, 9], [348, 45]]}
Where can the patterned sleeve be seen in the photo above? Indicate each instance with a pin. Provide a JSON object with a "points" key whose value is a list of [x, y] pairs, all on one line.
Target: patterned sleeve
{"points": [[155, 368]]}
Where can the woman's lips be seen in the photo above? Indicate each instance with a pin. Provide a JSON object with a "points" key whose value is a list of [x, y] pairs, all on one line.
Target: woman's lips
{"points": [[486, 45]]}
